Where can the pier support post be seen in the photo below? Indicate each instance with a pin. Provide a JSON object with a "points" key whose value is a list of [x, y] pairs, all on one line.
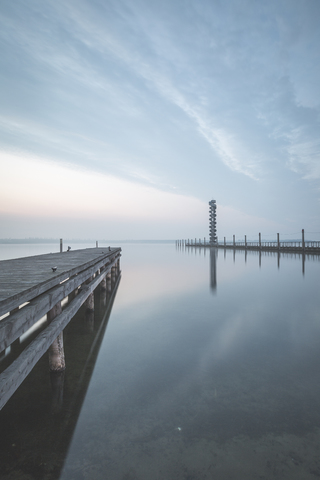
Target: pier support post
{"points": [[56, 350], [108, 278], [61, 245], [113, 275], [89, 302], [103, 285]]}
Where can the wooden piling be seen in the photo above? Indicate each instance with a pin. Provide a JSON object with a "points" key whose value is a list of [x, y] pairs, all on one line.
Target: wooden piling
{"points": [[56, 351]]}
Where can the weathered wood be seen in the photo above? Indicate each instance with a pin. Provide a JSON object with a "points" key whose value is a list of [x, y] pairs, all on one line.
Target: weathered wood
{"points": [[56, 352], [16, 324], [14, 375], [24, 279]]}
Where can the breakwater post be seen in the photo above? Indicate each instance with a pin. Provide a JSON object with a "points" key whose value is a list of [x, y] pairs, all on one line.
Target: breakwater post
{"points": [[303, 246]]}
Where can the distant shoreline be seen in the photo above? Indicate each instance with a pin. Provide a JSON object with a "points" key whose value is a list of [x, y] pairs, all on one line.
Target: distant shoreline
{"points": [[20, 241]]}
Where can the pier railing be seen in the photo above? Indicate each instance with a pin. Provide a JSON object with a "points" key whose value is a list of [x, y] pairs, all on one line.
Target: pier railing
{"points": [[305, 246]]}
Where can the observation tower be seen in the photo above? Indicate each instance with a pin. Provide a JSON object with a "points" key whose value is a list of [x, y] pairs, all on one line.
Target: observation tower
{"points": [[213, 222]]}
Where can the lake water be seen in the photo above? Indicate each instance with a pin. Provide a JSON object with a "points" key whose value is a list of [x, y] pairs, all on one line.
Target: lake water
{"points": [[207, 366]]}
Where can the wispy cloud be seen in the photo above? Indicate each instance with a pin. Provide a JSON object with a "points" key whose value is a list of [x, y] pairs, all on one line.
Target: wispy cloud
{"points": [[214, 98]]}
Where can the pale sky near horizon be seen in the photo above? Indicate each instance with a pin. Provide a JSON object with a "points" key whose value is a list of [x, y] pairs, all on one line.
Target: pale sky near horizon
{"points": [[123, 118]]}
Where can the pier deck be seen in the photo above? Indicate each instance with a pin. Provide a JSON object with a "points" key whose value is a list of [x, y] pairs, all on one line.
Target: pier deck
{"points": [[22, 279]]}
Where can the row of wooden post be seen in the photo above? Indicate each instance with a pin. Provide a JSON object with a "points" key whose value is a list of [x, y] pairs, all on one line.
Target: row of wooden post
{"points": [[188, 242], [56, 350]]}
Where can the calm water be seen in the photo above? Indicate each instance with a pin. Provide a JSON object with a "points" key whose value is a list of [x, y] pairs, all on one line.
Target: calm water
{"points": [[207, 367]]}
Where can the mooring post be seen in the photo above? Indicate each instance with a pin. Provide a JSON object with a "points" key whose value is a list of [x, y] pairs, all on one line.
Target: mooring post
{"points": [[245, 241], [234, 240], [96, 243], [56, 350], [224, 241], [61, 245], [303, 244], [278, 241], [260, 241]]}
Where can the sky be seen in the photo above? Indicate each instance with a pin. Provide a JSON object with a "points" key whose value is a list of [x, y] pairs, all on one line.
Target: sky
{"points": [[122, 119]]}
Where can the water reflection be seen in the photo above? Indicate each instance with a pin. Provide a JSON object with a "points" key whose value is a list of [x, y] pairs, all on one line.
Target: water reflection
{"points": [[190, 385], [244, 253], [213, 268], [39, 419]]}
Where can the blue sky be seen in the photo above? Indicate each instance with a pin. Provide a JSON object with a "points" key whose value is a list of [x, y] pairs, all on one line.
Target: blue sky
{"points": [[122, 119]]}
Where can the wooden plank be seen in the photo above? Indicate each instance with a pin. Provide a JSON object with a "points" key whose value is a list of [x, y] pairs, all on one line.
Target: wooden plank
{"points": [[13, 326], [23, 279], [14, 375]]}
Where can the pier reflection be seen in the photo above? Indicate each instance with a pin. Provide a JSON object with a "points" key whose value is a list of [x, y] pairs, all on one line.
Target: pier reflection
{"points": [[214, 252], [42, 414]]}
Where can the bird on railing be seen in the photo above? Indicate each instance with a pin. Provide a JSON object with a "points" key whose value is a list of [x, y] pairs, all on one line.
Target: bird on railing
{"points": [[54, 269]]}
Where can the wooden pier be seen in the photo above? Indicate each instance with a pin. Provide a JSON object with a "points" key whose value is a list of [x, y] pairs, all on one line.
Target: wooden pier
{"points": [[49, 288], [306, 247]]}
